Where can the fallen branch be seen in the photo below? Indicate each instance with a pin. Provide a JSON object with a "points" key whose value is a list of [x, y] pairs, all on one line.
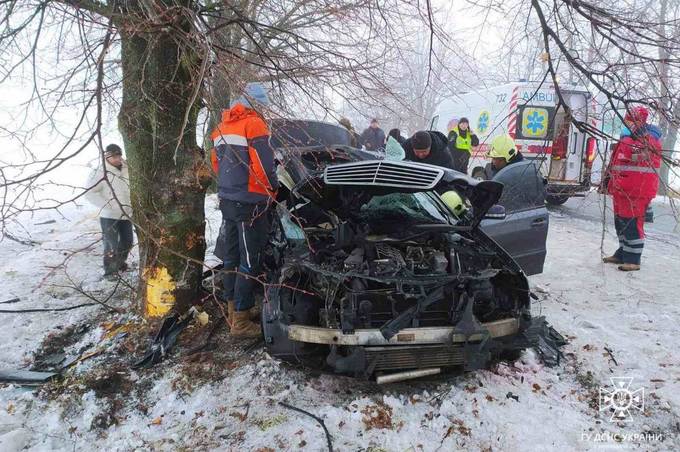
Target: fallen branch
{"points": [[26, 242], [79, 288], [611, 355], [19, 311], [10, 301], [316, 418]]}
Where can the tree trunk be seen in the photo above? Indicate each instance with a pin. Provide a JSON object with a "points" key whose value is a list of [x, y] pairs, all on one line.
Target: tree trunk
{"points": [[669, 140], [669, 128], [168, 175]]}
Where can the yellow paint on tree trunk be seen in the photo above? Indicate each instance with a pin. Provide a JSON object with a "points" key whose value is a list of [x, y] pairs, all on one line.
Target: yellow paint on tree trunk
{"points": [[160, 292]]}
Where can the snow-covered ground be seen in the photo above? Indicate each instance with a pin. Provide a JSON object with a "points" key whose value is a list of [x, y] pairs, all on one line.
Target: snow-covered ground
{"points": [[619, 325]]}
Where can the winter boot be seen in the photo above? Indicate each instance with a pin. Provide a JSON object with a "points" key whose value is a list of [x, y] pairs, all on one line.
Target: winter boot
{"points": [[254, 312], [242, 326], [629, 267], [612, 260]]}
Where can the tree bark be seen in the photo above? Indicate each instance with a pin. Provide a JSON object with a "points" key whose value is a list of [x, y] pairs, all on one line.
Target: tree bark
{"points": [[669, 140], [168, 174]]}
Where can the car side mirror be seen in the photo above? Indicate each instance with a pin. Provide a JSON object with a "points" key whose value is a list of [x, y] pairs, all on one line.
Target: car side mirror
{"points": [[496, 212]]}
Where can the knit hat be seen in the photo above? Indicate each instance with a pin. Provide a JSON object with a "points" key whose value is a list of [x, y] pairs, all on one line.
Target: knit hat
{"points": [[421, 140], [113, 149], [254, 93], [638, 115]]}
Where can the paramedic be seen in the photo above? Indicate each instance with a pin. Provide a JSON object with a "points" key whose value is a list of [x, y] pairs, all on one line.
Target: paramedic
{"points": [[632, 180]]}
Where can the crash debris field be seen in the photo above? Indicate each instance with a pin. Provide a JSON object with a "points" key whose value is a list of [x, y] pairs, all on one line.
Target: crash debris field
{"points": [[217, 393]]}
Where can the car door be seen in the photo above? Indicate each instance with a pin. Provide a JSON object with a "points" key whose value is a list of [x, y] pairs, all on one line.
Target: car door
{"points": [[524, 231]]}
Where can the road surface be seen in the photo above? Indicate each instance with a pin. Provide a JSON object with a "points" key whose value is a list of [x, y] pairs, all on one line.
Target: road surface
{"points": [[594, 207]]}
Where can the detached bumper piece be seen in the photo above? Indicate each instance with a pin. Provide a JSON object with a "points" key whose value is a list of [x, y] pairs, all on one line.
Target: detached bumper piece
{"points": [[546, 341], [540, 336]]}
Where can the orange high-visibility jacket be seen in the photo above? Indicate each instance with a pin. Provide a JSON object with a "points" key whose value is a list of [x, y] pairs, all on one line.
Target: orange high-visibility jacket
{"points": [[243, 158]]}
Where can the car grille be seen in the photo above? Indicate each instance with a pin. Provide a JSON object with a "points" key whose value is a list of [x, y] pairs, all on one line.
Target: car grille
{"points": [[384, 173], [415, 357]]}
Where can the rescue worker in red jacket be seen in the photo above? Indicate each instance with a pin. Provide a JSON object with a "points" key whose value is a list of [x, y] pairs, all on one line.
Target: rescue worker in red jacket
{"points": [[633, 180], [246, 178]]}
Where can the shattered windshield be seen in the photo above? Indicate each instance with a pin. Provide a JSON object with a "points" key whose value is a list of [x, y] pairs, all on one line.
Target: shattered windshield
{"points": [[402, 208]]}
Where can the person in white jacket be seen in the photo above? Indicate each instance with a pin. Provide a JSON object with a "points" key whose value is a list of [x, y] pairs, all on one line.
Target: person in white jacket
{"points": [[109, 190]]}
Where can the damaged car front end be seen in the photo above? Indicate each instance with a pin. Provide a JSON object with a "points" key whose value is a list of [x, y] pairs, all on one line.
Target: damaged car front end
{"points": [[372, 275]]}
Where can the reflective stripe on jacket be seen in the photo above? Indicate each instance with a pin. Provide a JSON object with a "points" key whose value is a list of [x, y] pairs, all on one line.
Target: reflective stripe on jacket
{"points": [[243, 158], [633, 174]]}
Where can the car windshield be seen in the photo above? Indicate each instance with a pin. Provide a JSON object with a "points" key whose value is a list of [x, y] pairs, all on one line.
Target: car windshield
{"points": [[399, 209]]}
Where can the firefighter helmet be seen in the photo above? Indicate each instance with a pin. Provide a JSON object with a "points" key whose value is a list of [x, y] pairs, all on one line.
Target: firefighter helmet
{"points": [[503, 146], [454, 202]]}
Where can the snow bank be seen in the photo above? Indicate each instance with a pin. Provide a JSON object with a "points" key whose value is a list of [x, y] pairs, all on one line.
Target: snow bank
{"points": [[619, 324]]}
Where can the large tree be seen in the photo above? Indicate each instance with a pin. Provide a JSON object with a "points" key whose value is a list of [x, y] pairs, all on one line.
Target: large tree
{"points": [[159, 62]]}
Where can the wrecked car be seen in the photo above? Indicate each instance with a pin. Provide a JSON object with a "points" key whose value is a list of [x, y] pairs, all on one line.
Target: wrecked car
{"points": [[371, 274]]}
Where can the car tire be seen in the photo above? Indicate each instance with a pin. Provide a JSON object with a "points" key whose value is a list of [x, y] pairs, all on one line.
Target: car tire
{"points": [[556, 200], [510, 356]]}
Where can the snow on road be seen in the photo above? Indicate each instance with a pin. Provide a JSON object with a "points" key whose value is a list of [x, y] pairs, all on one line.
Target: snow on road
{"points": [[619, 325]]}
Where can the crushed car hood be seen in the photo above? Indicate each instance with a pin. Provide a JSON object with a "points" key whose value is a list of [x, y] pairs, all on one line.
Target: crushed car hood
{"points": [[343, 179]]}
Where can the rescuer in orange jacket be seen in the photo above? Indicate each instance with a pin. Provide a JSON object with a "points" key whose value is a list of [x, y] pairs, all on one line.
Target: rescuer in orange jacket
{"points": [[246, 179], [633, 180]]}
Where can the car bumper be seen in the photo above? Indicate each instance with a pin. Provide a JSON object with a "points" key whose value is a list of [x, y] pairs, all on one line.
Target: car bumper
{"points": [[407, 336]]}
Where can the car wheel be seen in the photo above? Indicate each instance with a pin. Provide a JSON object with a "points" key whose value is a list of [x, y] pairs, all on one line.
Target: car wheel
{"points": [[556, 200], [510, 356], [478, 173]]}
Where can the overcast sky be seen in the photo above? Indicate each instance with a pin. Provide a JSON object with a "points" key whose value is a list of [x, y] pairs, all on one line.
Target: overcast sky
{"points": [[479, 31]]}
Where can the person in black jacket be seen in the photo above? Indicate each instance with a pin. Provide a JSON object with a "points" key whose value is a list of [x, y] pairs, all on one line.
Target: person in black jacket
{"points": [[428, 147], [373, 138]]}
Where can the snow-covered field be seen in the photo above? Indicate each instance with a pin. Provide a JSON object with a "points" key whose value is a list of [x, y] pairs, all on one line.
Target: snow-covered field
{"points": [[619, 325]]}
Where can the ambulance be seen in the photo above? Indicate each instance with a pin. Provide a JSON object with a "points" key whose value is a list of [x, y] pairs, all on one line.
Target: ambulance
{"points": [[528, 112]]}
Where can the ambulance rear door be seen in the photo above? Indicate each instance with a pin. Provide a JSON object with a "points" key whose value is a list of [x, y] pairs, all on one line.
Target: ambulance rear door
{"points": [[576, 145]]}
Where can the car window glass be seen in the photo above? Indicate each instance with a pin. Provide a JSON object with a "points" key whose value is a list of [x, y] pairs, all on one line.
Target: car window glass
{"points": [[523, 187], [402, 208]]}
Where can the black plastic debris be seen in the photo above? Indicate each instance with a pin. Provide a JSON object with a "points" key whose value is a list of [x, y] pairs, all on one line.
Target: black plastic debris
{"points": [[26, 377], [165, 339], [546, 341]]}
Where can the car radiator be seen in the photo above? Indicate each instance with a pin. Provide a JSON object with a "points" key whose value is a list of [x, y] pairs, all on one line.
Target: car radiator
{"points": [[415, 357]]}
